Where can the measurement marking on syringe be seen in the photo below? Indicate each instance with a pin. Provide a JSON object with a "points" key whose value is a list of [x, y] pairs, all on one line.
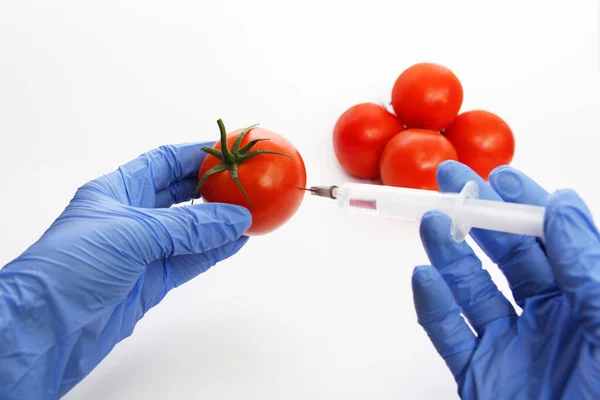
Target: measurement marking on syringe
{"points": [[368, 204]]}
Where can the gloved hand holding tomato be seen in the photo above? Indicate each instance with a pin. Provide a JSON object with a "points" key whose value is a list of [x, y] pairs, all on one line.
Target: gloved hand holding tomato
{"points": [[404, 148], [119, 248]]}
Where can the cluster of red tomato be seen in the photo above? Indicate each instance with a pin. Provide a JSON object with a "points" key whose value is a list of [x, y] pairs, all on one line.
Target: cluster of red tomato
{"points": [[405, 148]]}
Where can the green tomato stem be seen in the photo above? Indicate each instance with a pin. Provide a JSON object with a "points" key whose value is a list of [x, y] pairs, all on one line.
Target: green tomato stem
{"points": [[232, 158]]}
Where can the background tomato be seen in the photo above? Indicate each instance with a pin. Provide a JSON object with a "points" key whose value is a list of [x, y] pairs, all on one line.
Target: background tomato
{"points": [[411, 158], [427, 96], [483, 141], [360, 135], [274, 183]]}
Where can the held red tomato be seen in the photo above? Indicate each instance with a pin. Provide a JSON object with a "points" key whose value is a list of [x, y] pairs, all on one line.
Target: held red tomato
{"points": [[482, 140], [427, 96], [411, 159], [257, 169], [360, 135]]}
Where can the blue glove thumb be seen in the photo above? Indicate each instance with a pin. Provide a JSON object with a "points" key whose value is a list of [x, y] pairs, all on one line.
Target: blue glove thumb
{"points": [[193, 238], [573, 247], [193, 229]]}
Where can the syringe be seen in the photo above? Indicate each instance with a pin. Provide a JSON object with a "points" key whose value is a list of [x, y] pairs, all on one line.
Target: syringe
{"points": [[465, 209]]}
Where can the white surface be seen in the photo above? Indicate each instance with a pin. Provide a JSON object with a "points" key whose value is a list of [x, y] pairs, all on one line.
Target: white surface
{"points": [[321, 309]]}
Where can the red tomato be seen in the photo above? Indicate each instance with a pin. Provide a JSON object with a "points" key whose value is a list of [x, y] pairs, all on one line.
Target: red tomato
{"points": [[483, 141], [274, 183], [360, 135], [411, 159], [427, 96]]}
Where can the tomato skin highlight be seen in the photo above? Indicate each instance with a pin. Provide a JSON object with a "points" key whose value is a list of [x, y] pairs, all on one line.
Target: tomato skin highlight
{"points": [[360, 135], [411, 159], [427, 96], [274, 183], [483, 141]]}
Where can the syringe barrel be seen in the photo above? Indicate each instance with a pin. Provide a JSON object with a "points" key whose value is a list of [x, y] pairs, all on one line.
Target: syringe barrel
{"points": [[386, 201], [521, 219], [465, 210]]}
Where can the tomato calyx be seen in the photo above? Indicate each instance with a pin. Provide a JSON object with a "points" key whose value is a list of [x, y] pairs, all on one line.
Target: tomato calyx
{"points": [[232, 158]]}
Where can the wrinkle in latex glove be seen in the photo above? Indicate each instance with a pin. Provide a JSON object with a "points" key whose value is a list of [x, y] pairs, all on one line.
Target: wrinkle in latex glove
{"points": [[550, 351], [113, 254]]}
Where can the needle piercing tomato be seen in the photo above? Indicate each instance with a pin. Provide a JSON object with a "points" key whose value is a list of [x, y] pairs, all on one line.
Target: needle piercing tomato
{"points": [[427, 96], [483, 141], [360, 135], [411, 159], [258, 169]]}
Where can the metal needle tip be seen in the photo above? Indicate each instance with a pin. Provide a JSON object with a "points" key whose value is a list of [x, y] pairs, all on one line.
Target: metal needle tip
{"points": [[323, 191]]}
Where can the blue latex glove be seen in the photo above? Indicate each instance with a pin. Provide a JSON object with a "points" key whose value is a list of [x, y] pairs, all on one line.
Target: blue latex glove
{"points": [[552, 350], [113, 254]]}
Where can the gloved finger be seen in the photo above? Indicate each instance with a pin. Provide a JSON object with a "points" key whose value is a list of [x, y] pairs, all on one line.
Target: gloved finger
{"points": [[573, 246], [471, 285], [535, 272], [520, 258], [168, 232], [177, 192], [513, 186], [157, 169], [439, 315], [184, 268]]}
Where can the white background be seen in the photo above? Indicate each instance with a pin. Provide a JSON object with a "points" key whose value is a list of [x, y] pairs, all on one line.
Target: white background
{"points": [[322, 308]]}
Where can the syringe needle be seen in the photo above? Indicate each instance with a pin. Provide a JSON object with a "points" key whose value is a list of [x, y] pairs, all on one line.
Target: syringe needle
{"points": [[323, 191]]}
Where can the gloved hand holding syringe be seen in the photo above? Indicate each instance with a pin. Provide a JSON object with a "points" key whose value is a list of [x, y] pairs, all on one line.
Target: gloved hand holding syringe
{"points": [[465, 208]]}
